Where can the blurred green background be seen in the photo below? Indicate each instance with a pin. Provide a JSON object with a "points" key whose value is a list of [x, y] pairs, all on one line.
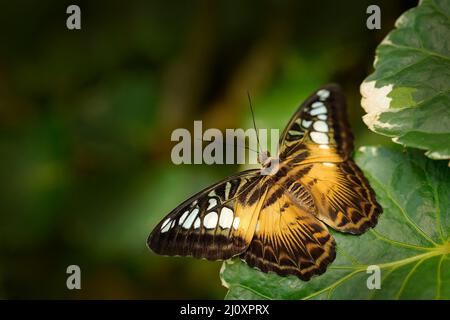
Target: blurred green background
{"points": [[86, 118]]}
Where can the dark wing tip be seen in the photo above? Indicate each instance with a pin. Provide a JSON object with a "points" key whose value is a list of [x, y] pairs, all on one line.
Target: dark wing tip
{"points": [[152, 240], [332, 86], [371, 221], [149, 241]]}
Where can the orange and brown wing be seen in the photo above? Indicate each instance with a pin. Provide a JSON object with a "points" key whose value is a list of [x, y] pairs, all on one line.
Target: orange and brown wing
{"points": [[289, 239], [217, 223], [320, 160], [342, 195], [319, 125]]}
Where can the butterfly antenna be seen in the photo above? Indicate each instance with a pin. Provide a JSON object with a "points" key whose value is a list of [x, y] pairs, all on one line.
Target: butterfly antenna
{"points": [[253, 119], [229, 144]]}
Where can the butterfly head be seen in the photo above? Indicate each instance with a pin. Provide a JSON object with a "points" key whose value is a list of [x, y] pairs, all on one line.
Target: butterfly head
{"points": [[264, 159]]}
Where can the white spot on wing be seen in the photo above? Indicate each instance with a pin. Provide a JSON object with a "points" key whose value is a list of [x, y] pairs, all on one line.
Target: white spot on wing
{"points": [[188, 223], [306, 123], [226, 218], [319, 137], [210, 220], [322, 116], [317, 104], [236, 223], [295, 133], [165, 226], [183, 217], [212, 193], [212, 203], [320, 126], [165, 222], [328, 164], [197, 223], [323, 94], [316, 111], [227, 190], [165, 229]]}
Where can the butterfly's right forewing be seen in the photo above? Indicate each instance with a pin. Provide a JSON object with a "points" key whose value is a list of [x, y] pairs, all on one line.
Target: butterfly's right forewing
{"points": [[217, 223], [316, 152]]}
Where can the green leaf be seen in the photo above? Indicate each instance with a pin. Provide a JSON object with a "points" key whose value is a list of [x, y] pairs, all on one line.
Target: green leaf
{"points": [[408, 95], [410, 244]]}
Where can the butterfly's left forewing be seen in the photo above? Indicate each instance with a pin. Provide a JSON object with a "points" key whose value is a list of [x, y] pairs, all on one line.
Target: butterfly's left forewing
{"points": [[217, 223]]}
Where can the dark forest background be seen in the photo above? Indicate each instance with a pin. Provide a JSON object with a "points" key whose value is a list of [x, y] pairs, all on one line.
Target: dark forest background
{"points": [[86, 118]]}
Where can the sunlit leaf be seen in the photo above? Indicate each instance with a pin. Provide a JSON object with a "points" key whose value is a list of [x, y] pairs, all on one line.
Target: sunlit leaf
{"points": [[408, 95]]}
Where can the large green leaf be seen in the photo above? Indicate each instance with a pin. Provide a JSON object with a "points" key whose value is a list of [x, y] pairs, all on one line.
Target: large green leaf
{"points": [[408, 95], [410, 244]]}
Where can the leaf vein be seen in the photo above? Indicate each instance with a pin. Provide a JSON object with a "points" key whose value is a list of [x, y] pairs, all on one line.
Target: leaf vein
{"points": [[408, 276], [439, 280], [407, 218], [422, 50], [398, 243]]}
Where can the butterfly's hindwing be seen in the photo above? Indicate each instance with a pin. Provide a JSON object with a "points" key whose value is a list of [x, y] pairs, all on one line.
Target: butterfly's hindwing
{"points": [[289, 239], [215, 224], [343, 197]]}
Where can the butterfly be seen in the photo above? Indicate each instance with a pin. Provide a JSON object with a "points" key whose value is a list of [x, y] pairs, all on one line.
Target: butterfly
{"points": [[279, 222]]}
